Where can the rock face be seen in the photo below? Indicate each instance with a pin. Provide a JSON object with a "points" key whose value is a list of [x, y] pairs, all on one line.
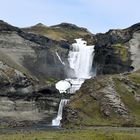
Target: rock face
{"points": [[23, 112], [117, 50], [22, 101], [105, 100], [134, 44], [30, 53], [109, 100], [12, 80]]}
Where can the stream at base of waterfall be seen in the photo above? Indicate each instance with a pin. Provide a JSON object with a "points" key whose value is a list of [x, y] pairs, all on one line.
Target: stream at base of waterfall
{"points": [[80, 60]]}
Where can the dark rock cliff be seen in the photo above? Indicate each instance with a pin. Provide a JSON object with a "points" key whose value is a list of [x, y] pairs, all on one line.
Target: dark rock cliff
{"points": [[113, 53]]}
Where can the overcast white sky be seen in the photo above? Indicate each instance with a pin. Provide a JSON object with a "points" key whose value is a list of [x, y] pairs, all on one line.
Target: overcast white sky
{"points": [[96, 15]]}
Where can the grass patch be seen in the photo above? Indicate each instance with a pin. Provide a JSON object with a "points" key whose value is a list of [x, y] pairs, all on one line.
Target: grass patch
{"points": [[89, 114], [51, 81], [11, 63], [120, 50], [135, 78], [57, 33], [88, 134], [128, 99], [3, 126]]}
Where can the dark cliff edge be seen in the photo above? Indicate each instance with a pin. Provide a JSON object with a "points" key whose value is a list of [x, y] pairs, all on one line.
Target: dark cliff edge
{"points": [[113, 50]]}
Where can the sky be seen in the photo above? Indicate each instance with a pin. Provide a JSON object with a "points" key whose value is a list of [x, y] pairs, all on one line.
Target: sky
{"points": [[95, 15]]}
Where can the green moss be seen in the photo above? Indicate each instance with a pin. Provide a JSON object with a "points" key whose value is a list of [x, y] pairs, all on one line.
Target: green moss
{"points": [[3, 126], [45, 31], [138, 71], [128, 99], [135, 77], [51, 81], [88, 110], [120, 50], [57, 33], [8, 61], [89, 113]]}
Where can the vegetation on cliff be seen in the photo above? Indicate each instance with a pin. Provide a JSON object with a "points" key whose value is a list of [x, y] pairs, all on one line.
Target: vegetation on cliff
{"points": [[112, 100], [64, 31], [120, 50]]}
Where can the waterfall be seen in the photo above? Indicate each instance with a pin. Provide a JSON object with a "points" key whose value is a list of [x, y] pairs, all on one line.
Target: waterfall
{"points": [[56, 121], [80, 60], [59, 58]]}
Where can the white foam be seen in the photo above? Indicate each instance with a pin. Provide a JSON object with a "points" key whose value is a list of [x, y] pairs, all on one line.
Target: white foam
{"points": [[63, 86]]}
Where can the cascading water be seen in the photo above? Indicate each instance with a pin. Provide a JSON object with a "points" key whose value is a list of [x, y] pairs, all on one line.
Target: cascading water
{"points": [[59, 58], [80, 61], [56, 121]]}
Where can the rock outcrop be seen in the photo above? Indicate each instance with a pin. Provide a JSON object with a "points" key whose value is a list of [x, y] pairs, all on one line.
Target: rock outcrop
{"points": [[117, 50], [12, 80], [105, 100], [22, 101]]}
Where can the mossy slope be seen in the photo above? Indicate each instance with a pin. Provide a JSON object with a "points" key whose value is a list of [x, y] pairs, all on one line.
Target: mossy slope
{"points": [[64, 31], [91, 105]]}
